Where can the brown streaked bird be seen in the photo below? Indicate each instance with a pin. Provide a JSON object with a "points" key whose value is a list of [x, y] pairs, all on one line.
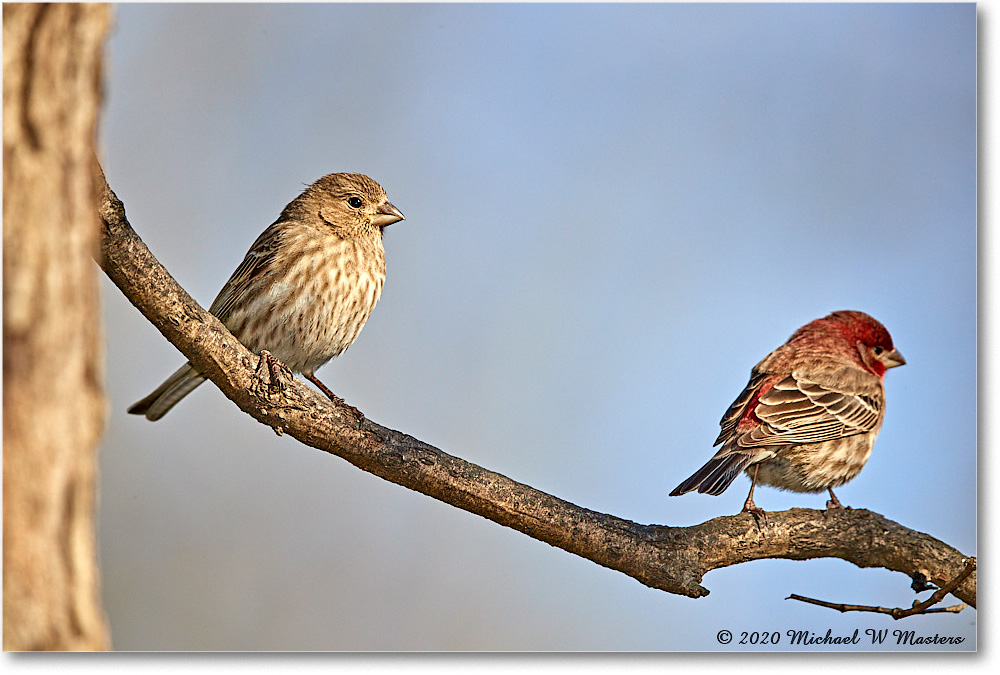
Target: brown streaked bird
{"points": [[808, 418], [307, 285]]}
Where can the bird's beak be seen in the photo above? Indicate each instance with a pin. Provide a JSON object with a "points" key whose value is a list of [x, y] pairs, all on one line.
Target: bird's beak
{"points": [[387, 214], [893, 359]]}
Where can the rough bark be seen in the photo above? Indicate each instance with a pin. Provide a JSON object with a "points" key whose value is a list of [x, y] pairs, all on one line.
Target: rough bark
{"points": [[673, 559], [53, 395]]}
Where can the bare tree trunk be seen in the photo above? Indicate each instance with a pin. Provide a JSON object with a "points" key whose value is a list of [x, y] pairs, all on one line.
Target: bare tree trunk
{"points": [[53, 391]]}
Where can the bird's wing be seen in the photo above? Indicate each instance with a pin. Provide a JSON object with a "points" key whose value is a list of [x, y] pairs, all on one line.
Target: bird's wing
{"points": [[796, 411], [256, 263], [738, 410]]}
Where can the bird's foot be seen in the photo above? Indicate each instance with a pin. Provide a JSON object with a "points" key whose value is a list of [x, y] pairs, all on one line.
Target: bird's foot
{"points": [[333, 397], [273, 372], [759, 514], [833, 503]]}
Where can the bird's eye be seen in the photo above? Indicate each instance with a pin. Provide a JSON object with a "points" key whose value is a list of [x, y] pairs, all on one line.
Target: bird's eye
{"points": [[355, 202], [878, 351]]}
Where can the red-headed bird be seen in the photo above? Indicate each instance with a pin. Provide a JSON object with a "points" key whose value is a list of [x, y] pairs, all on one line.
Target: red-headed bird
{"points": [[808, 418]]}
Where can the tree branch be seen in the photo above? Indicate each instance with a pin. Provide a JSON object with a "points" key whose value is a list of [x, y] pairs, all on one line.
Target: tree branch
{"points": [[919, 607], [673, 559]]}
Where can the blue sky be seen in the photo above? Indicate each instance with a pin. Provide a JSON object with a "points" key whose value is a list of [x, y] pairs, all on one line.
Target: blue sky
{"points": [[613, 212]]}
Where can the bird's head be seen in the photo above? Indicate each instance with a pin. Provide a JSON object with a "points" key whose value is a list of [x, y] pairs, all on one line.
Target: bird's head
{"points": [[864, 339], [350, 203]]}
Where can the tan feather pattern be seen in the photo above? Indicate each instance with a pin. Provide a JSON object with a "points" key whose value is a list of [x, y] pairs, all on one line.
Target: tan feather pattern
{"points": [[796, 410], [308, 284]]}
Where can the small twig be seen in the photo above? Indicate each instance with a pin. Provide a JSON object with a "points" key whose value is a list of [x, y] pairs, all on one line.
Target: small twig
{"points": [[894, 612], [919, 607]]}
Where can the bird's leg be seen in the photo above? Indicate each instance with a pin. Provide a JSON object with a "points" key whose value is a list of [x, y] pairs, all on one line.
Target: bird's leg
{"points": [[751, 508], [329, 394], [277, 374], [322, 387], [833, 502]]}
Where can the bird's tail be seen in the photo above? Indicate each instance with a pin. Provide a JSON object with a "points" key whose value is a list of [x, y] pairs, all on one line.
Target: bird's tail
{"points": [[717, 474], [167, 395]]}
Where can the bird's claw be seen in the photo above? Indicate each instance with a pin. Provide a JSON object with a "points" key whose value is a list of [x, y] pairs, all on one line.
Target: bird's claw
{"points": [[759, 514], [833, 503], [333, 397], [273, 372]]}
